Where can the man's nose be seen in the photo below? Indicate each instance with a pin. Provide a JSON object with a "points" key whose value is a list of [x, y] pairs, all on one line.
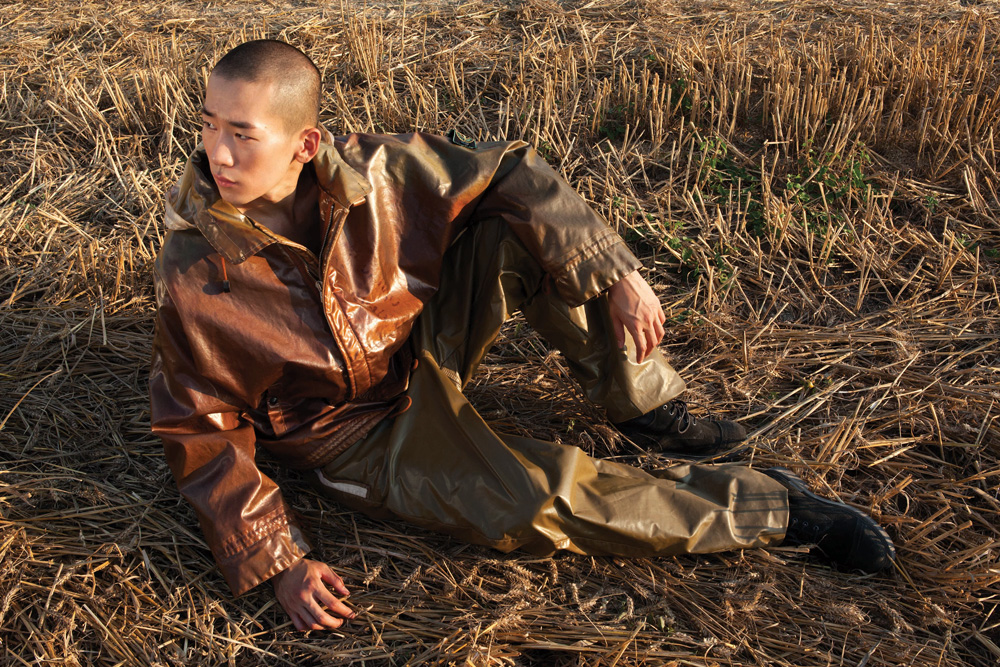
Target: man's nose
{"points": [[222, 153]]}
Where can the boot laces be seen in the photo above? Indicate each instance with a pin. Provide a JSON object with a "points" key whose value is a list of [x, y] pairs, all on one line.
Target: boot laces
{"points": [[678, 411], [806, 531]]}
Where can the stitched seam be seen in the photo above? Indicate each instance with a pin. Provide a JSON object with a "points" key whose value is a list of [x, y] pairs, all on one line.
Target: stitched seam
{"points": [[608, 237], [581, 255], [261, 529], [341, 440]]}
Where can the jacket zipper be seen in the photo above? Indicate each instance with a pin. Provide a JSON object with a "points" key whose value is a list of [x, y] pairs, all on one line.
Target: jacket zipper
{"points": [[313, 267], [338, 215], [313, 270], [307, 266]]}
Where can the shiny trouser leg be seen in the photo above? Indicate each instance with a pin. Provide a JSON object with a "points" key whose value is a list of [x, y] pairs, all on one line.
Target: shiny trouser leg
{"points": [[440, 466], [489, 275]]}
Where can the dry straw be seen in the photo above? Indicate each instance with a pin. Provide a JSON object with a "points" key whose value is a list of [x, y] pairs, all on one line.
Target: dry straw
{"points": [[812, 184]]}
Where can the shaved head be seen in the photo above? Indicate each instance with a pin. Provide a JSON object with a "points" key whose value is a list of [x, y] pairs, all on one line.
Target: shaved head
{"points": [[295, 78]]}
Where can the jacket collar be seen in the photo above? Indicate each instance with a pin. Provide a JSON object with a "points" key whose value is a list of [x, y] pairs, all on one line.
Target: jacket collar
{"points": [[336, 178], [195, 202]]}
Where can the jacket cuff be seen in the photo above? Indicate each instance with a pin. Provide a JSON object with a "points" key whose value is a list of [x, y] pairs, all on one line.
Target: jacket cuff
{"points": [[594, 269], [260, 561]]}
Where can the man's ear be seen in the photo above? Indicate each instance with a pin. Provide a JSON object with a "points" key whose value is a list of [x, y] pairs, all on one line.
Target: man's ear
{"points": [[309, 140]]}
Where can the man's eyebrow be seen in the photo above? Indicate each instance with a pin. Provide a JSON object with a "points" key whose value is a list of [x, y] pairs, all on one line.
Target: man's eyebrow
{"points": [[242, 124]]}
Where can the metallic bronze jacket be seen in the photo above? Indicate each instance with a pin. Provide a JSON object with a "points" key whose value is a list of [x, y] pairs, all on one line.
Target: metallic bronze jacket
{"points": [[258, 341]]}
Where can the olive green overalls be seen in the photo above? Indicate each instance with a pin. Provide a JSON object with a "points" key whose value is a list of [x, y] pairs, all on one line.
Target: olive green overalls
{"points": [[438, 464]]}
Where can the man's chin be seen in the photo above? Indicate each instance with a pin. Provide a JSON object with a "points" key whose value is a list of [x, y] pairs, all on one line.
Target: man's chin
{"points": [[234, 201]]}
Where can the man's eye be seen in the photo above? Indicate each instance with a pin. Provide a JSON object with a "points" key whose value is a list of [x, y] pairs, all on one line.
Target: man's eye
{"points": [[206, 125], [243, 137]]}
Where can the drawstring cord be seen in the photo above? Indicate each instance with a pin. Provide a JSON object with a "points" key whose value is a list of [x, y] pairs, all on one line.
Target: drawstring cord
{"points": [[225, 276]]}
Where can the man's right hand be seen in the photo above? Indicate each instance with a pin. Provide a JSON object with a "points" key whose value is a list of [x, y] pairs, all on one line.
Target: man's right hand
{"points": [[635, 307], [303, 592]]}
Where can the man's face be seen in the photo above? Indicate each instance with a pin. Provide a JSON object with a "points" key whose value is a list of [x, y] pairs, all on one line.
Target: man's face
{"points": [[251, 151]]}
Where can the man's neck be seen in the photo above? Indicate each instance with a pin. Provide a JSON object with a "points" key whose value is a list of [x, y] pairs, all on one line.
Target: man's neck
{"points": [[295, 216]]}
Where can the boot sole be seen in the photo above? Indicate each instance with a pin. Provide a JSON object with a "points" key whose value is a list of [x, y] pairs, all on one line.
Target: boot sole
{"points": [[792, 480], [735, 450], [735, 453]]}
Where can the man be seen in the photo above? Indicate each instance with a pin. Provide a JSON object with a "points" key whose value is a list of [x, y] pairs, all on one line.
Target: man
{"points": [[328, 300]]}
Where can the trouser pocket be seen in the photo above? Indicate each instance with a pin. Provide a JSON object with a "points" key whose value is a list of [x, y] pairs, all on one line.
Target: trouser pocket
{"points": [[354, 478]]}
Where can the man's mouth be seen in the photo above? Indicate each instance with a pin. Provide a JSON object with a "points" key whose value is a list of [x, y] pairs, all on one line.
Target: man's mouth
{"points": [[223, 182]]}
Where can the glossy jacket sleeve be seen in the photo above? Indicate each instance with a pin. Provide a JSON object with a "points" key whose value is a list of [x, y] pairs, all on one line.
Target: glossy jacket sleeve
{"points": [[572, 242], [210, 450]]}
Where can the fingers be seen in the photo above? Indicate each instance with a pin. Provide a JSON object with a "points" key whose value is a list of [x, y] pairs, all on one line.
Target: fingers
{"points": [[322, 620], [646, 334], [331, 579], [634, 307], [339, 608], [320, 610], [641, 343], [327, 599], [311, 616], [305, 621], [658, 323], [650, 342], [302, 591]]}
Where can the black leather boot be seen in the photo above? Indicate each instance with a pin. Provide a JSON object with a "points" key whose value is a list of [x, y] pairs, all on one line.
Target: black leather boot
{"points": [[843, 534], [672, 430]]}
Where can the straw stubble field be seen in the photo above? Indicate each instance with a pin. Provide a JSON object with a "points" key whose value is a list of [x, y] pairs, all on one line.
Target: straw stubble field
{"points": [[812, 185]]}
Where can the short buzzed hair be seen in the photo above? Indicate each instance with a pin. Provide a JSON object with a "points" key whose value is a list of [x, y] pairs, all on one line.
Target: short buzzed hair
{"points": [[295, 76]]}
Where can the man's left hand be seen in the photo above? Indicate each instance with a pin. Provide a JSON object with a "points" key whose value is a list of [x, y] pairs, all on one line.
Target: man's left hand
{"points": [[636, 308], [303, 590]]}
